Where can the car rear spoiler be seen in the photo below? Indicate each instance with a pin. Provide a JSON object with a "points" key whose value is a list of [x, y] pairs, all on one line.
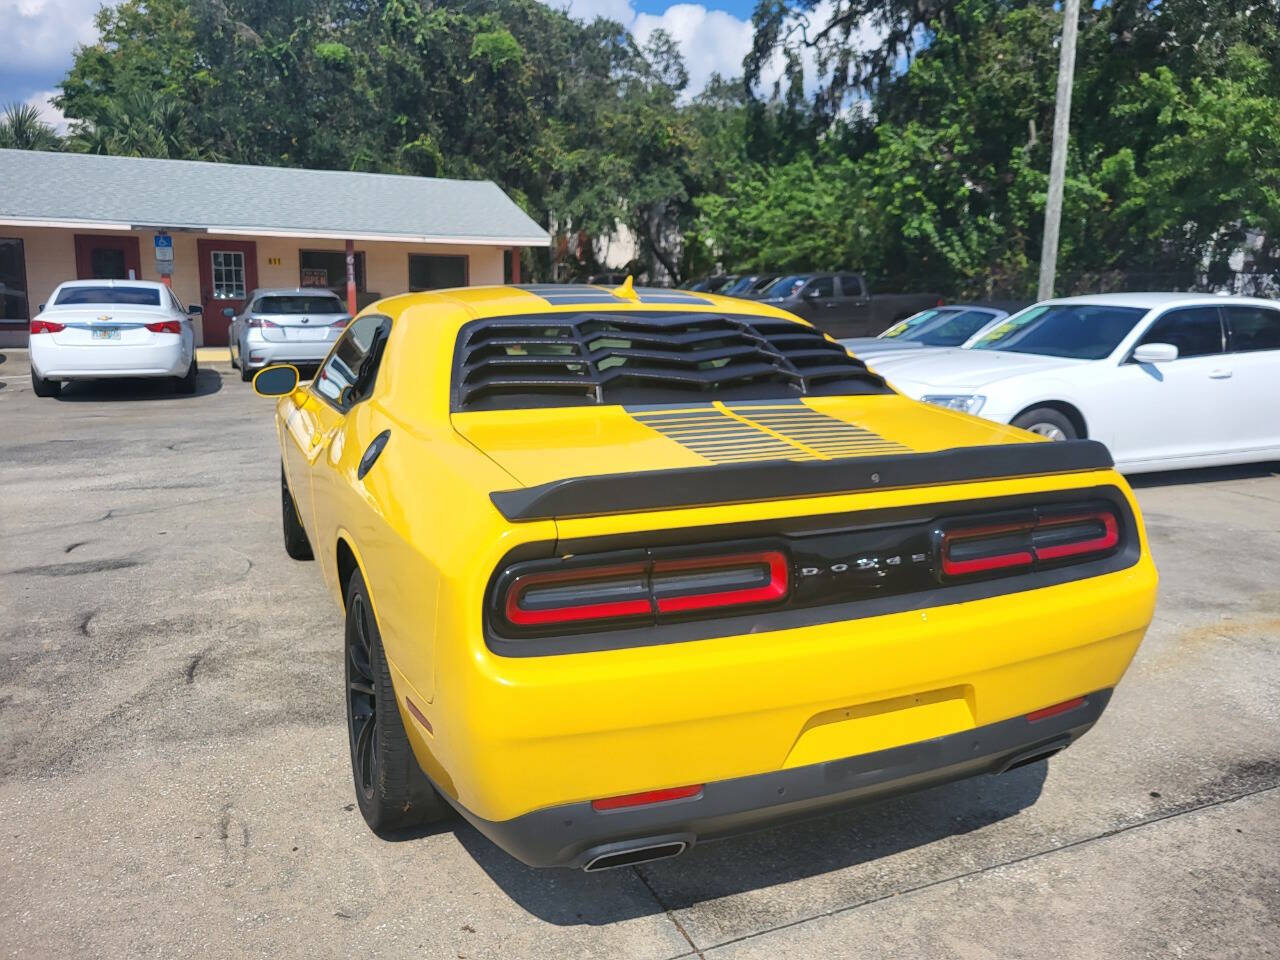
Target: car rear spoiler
{"points": [[647, 490]]}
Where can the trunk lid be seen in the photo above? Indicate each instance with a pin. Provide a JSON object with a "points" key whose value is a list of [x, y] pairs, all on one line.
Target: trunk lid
{"points": [[544, 445], [289, 318], [108, 324]]}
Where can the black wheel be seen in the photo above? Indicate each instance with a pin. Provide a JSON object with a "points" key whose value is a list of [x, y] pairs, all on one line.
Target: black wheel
{"points": [[1049, 423], [245, 373], [391, 789], [296, 544], [231, 351], [187, 382], [43, 387]]}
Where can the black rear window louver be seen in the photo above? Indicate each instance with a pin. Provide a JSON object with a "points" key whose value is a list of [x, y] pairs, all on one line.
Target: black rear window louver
{"points": [[647, 357]]}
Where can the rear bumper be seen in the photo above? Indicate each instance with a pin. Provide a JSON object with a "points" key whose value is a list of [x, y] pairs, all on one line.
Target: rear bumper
{"points": [[63, 362], [576, 835], [264, 353]]}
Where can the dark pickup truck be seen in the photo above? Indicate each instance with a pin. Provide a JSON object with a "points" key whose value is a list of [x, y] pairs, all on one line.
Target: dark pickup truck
{"points": [[841, 304]]}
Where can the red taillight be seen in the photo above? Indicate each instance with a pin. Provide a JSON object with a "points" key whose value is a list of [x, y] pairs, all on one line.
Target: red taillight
{"points": [[342, 322], [165, 326], [47, 326], [646, 798], [646, 588], [701, 583], [569, 596], [259, 322], [1099, 528], [980, 548], [1046, 538], [1056, 709]]}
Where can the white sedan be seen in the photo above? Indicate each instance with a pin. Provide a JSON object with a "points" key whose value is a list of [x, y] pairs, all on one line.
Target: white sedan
{"points": [[1166, 380], [93, 329]]}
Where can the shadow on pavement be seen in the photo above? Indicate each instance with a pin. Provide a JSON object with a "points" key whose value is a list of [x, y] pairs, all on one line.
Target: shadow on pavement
{"points": [[1240, 471], [105, 391], [755, 861]]}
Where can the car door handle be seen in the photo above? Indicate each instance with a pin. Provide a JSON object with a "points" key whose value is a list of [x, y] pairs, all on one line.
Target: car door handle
{"points": [[1219, 374]]}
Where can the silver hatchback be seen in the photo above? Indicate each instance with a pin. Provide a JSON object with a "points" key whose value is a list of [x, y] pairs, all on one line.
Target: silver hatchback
{"points": [[285, 326]]}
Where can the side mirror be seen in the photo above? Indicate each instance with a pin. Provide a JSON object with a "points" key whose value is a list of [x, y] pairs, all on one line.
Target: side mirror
{"points": [[1155, 353], [228, 312], [275, 381], [40, 309], [194, 310]]}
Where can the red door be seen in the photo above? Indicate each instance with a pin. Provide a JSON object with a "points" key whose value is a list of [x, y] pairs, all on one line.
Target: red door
{"points": [[228, 271], [107, 257]]}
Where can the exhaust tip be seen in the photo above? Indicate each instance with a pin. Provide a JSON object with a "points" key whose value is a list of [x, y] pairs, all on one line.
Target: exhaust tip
{"points": [[630, 856], [1042, 752]]}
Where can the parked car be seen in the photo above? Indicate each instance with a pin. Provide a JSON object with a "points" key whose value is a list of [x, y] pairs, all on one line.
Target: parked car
{"points": [[296, 325], [624, 573], [1165, 380], [97, 329], [841, 304], [748, 286], [712, 283], [950, 325]]}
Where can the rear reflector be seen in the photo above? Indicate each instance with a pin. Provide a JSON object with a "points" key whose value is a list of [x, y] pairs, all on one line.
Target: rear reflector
{"points": [[47, 326], [646, 588], [1056, 709], [165, 326], [646, 798]]}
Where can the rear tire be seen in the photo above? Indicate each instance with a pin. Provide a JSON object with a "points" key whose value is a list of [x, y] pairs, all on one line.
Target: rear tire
{"points": [[1047, 422], [187, 382], [245, 373], [43, 387], [392, 791], [296, 544]]}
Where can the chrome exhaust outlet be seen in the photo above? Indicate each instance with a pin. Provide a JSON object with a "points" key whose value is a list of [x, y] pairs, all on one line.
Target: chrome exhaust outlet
{"points": [[630, 853]]}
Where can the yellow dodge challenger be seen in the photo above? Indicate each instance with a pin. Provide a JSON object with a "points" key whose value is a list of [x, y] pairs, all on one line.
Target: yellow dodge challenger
{"points": [[625, 570]]}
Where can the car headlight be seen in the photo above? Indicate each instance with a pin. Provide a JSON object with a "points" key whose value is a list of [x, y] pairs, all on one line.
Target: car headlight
{"points": [[964, 402]]}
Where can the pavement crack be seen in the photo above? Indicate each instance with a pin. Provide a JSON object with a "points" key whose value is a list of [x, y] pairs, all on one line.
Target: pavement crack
{"points": [[85, 621], [693, 947], [73, 546], [190, 672], [1034, 855], [76, 568]]}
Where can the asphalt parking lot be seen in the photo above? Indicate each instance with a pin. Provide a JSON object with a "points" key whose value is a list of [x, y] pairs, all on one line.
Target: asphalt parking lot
{"points": [[174, 777]]}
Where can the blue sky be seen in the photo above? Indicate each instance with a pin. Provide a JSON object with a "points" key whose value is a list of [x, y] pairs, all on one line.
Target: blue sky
{"points": [[40, 36]]}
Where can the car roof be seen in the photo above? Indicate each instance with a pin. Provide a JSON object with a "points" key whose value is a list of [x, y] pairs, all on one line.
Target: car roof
{"points": [[293, 291], [113, 283], [1154, 300]]}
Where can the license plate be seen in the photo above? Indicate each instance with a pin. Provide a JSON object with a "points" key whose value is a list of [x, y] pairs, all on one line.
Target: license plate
{"points": [[106, 333], [309, 333]]}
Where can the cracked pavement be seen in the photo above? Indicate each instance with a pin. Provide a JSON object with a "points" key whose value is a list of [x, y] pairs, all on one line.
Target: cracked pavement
{"points": [[174, 778]]}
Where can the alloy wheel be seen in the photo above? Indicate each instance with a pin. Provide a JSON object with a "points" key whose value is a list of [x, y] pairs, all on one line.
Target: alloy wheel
{"points": [[1050, 431]]}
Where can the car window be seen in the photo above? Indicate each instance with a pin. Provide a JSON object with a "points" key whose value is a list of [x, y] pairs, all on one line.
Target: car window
{"points": [[1195, 331], [290, 305], [1083, 331], [1252, 328], [347, 376], [903, 328], [133, 296], [952, 329], [175, 303], [821, 287], [787, 286], [850, 285]]}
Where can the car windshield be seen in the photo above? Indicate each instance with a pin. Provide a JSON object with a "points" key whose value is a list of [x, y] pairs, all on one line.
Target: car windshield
{"points": [[739, 286], [134, 296], [298, 304], [786, 286], [1083, 331], [952, 330], [905, 329]]}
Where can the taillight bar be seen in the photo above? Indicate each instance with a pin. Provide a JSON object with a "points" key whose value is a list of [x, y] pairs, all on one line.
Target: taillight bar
{"points": [[983, 548], [165, 326], [660, 587], [47, 326]]}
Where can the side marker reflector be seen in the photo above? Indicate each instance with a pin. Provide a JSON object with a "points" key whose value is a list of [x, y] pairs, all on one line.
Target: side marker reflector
{"points": [[417, 715], [646, 798], [1056, 709]]}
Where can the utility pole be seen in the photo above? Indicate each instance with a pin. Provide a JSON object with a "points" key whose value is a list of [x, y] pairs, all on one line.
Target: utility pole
{"points": [[1058, 164]]}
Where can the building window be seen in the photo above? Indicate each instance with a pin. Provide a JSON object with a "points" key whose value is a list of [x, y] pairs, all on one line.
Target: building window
{"points": [[429, 271], [13, 281], [228, 275], [328, 268]]}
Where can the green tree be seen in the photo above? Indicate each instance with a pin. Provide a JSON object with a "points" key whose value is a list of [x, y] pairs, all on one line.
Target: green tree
{"points": [[22, 129]]}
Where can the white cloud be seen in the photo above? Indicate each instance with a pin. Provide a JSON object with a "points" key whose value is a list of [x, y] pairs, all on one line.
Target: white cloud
{"points": [[711, 41], [50, 114], [40, 35]]}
